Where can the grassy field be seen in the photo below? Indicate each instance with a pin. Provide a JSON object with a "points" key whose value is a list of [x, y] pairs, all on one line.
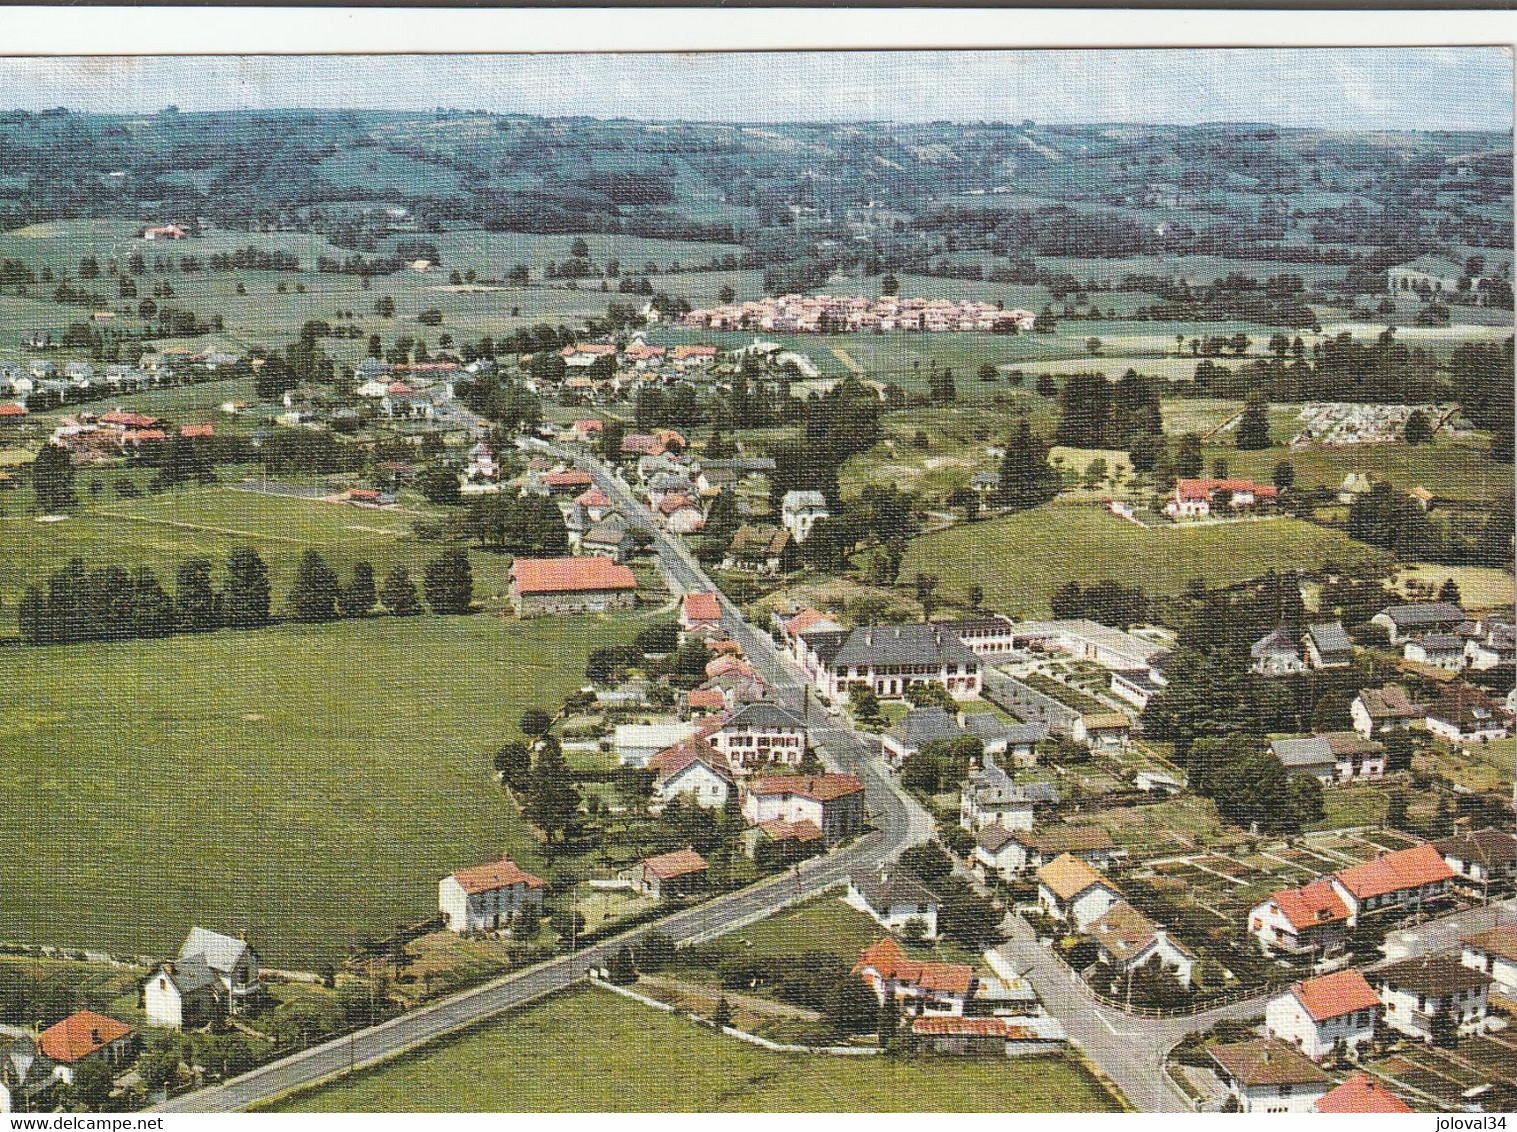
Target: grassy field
{"points": [[592, 1051], [1480, 587], [1021, 559], [308, 784], [161, 531]]}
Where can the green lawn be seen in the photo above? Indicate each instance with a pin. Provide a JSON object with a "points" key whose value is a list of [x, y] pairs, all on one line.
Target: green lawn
{"points": [[307, 783], [1021, 559], [592, 1051]]}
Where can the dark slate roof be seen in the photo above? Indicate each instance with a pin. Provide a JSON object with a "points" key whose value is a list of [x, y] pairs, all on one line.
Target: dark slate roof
{"points": [[825, 642], [1430, 974], [763, 716], [1424, 613], [923, 725], [1026, 733], [985, 726], [1276, 642], [1313, 750], [1330, 637], [1439, 642], [903, 644], [189, 974], [1041, 791], [892, 886]]}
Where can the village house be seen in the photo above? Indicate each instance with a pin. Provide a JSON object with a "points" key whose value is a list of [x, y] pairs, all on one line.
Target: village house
{"points": [[485, 898], [1313, 918], [1415, 991], [669, 876], [1363, 1094], [1070, 890], [802, 510], [86, 1036], [1277, 654], [895, 898], [1439, 650], [798, 839], [1494, 643], [760, 735], [1401, 622], [1494, 953], [700, 613], [1375, 711], [1126, 940], [570, 585], [693, 770], [834, 803], [920, 987], [1401, 881], [989, 634], [1267, 1075], [637, 743], [1198, 498], [1102, 731], [1328, 645], [990, 797], [760, 548], [611, 539], [681, 514], [1009, 853], [1016, 1036], [212, 973], [914, 730], [1481, 858], [1321, 1015], [26, 1075], [1137, 685], [889, 658], [1337, 756], [1465, 714]]}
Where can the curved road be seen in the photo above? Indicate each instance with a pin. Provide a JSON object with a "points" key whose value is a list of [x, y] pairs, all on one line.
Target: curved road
{"points": [[897, 819]]}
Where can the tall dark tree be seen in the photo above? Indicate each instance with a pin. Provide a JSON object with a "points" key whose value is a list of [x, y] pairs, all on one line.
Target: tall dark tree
{"points": [[1026, 480], [1253, 426], [1419, 430], [53, 479], [1188, 458], [314, 594], [359, 596], [247, 595], [398, 594], [152, 608], [552, 802], [195, 604], [449, 582]]}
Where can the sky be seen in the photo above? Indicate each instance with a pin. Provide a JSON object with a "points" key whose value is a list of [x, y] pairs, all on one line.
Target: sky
{"points": [[1347, 88]]}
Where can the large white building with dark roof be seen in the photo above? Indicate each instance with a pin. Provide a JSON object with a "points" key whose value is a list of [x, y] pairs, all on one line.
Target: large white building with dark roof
{"points": [[890, 658]]}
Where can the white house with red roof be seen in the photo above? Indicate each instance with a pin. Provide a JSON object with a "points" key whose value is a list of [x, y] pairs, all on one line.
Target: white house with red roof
{"points": [[597, 504], [1403, 880], [1069, 889], [834, 803], [675, 874], [1363, 1094], [484, 898], [1197, 498], [700, 612], [1316, 1015], [1298, 920], [86, 1036], [694, 770], [921, 988]]}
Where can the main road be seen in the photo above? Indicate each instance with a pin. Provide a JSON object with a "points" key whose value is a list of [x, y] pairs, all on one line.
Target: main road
{"points": [[898, 822]]}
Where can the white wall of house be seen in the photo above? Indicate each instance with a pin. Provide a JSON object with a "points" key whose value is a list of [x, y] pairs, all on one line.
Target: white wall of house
{"points": [[490, 910], [699, 783], [1413, 1013], [162, 1002], [1285, 1018], [1498, 967], [1278, 1098], [1084, 909]]}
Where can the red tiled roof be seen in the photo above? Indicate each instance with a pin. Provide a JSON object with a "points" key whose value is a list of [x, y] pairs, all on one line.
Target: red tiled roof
{"points": [[890, 962], [642, 444], [1315, 903], [127, 419], [782, 830], [399, 387], [817, 787], [1331, 996], [725, 664], [706, 699], [960, 1027], [682, 862], [803, 621], [590, 425], [669, 504], [671, 760], [1206, 488], [79, 1035], [682, 352], [12, 410], [702, 607], [191, 431], [1393, 872], [1361, 1093], [570, 575], [497, 874], [568, 479], [593, 498], [138, 435]]}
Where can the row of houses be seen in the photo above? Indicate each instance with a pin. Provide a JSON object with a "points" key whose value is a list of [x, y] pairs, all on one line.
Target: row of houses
{"points": [[1316, 917], [815, 314]]}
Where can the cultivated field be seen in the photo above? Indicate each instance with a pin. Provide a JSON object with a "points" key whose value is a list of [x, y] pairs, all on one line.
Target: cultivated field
{"points": [[307, 783], [1021, 559], [590, 1051]]}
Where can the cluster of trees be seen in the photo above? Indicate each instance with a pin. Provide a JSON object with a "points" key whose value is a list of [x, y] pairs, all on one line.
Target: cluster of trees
{"points": [[875, 517], [1096, 413], [530, 526], [1393, 521], [1106, 601], [110, 603]]}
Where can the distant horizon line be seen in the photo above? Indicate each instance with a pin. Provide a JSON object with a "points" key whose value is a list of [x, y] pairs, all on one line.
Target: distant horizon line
{"points": [[737, 122]]}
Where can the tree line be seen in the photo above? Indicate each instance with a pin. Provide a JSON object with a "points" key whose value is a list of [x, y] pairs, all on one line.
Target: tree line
{"points": [[80, 603]]}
